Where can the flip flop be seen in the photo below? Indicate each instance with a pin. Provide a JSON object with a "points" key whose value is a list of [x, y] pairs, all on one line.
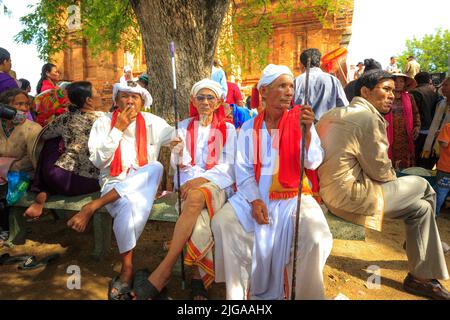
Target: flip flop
{"points": [[144, 290], [198, 289], [122, 290], [32, 262], [6, 259]]}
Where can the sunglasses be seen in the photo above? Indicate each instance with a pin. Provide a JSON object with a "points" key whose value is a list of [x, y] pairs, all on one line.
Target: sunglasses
{"points": [[201, 98]]}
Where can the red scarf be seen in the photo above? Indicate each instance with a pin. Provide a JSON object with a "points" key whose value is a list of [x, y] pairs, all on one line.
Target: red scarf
{"points": [[408, 118], [141, 145], [217, 135], [290, 135]]}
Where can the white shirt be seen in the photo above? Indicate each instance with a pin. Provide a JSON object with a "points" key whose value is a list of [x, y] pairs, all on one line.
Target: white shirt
{"points": [[221, 174], [103, 142]]}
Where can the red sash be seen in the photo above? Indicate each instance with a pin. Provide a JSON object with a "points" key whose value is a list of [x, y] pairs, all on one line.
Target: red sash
{"points": [[216, 140], [290, 136], [141, 145]]}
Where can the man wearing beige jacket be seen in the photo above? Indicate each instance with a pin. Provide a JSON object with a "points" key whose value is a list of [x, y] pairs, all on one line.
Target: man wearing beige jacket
{"points": [[358, 183]]}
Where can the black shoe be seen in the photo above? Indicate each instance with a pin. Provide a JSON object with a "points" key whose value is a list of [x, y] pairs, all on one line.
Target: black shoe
{"points": [[432, 289]]}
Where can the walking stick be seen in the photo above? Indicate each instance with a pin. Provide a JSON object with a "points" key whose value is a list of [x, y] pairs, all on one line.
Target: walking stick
{"points": [[299, 196], [175, 108]]}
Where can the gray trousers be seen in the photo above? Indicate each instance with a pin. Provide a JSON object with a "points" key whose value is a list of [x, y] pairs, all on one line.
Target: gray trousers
{"points": [[412, 199]]}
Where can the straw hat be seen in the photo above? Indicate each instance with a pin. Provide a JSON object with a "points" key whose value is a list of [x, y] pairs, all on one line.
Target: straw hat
{"points": [[410, 83]]}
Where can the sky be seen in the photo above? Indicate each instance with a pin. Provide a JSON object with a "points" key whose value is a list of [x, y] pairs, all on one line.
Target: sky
{"points": [[380, 29], [24, 58]]}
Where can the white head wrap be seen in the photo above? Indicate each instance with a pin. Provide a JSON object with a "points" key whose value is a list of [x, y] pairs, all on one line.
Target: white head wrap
{"points": [[146, 96], [207, 84], [271, 73], [127, 69]]}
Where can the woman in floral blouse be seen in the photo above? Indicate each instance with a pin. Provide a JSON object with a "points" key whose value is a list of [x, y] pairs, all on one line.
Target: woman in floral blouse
{"points": [[64, 167]]}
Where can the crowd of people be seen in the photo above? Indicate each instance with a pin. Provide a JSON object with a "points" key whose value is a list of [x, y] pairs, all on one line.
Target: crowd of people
{"points": [[240, 170]]}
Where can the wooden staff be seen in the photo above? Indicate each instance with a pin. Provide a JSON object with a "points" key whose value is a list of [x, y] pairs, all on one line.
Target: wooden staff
{"points": [[299, 196], [175, 109]]}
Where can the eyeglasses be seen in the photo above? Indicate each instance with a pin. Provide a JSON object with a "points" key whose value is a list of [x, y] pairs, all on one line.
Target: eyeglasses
{"points": [[202, 98]]}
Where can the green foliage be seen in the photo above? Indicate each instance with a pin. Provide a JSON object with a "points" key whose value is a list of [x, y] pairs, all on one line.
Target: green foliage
{"points": [[431, 51], [110, 24], [106, 24], [252, 22]]}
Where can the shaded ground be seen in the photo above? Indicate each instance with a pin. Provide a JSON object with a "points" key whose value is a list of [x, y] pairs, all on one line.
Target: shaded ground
{"points": [[345, 271]]}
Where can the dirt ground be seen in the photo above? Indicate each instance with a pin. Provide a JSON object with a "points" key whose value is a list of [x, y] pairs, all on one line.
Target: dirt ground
{"points": [[345, 271]]}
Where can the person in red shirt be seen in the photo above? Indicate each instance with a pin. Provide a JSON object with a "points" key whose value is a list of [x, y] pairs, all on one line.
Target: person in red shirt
{"points": [[49, 78], [234, 95]]}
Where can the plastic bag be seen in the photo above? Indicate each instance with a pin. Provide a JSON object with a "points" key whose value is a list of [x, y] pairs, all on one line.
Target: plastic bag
{"points": [[18, 183]]}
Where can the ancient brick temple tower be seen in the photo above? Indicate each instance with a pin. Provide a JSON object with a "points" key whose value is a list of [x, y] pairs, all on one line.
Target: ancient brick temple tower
{"points": [[290, 37]]}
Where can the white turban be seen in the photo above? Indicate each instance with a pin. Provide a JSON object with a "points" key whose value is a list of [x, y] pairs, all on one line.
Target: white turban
{"points": [[207, 84], [271, 73], [145, 95]]}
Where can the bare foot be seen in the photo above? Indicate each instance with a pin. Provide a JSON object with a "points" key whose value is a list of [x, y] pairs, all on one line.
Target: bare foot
{"points": [[36, 208], [80, 220], [34, 211]]}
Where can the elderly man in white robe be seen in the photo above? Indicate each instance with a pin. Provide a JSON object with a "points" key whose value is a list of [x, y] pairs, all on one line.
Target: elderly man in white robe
{"points": [[207, 179], [254, 230], [124, 145]]}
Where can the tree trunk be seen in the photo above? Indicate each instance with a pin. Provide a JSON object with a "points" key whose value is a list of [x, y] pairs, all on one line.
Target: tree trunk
{"points": [[194, 26]]}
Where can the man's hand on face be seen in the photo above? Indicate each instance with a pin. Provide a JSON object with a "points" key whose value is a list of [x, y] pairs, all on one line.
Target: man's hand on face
{"points": [[307, 116], [125, 118], [259, 212]]}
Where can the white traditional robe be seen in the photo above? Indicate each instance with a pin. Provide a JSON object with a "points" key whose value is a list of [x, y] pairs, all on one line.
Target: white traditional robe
{"points": [[136, 185], [272, 243], [221, 174]]}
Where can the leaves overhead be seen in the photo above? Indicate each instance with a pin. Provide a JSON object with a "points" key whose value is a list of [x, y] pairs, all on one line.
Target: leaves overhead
{"points": [[110, 24], [105, 24], [431, 51]]}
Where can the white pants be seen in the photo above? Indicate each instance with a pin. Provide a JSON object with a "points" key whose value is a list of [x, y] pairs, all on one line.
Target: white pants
{"points": [[131, 211], [233, 254]]}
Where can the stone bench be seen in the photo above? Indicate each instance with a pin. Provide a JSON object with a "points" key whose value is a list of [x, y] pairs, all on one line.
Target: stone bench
{"points": [[342, 229], [163, 210], [65, 207]]}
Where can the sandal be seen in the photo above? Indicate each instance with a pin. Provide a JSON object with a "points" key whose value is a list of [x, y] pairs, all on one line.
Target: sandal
{"points": [[144, 290], [122, 290], [32, 262], [6, 259], [198, 289]]}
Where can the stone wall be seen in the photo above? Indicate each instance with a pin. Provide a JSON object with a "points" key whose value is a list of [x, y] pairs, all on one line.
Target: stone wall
{"points": [[289, 39]]}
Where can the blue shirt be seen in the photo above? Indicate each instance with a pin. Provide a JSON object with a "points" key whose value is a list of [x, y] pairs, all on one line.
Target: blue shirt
{"points": [[325, 92], [218, 75], [240, 115]]}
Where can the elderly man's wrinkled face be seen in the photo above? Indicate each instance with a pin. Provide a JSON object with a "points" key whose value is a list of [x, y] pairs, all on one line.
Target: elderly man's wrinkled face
{"points": [[129, 100], [206, 102], [279, 93], [381, 97]]}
